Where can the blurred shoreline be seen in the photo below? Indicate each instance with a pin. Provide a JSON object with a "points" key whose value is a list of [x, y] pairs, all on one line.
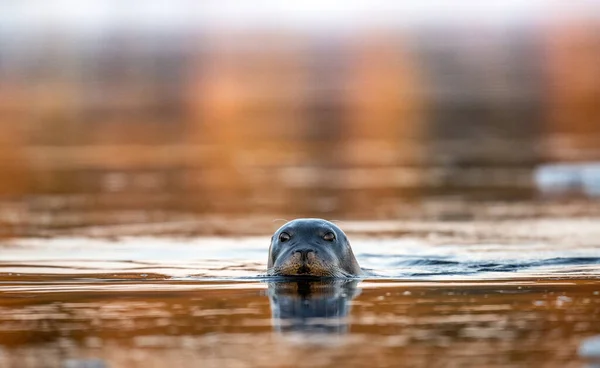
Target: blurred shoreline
{"points": [[424, 218]]}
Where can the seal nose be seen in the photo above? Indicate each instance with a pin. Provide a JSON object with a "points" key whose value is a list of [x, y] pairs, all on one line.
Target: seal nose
{"points": [[304, 253]]}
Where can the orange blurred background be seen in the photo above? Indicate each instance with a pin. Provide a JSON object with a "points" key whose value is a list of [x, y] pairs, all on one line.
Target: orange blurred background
{"points": [[167, 116]]}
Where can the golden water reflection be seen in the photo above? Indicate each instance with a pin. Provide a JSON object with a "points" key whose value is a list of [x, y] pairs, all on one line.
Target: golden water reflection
{"points": [[523, 323]]}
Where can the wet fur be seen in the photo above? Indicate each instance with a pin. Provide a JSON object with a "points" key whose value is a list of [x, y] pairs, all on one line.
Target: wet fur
{"points": [[338, 261]]}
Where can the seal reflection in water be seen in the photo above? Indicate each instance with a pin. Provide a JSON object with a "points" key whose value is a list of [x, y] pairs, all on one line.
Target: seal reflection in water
{"points": [[311, 247], [312, 306]]}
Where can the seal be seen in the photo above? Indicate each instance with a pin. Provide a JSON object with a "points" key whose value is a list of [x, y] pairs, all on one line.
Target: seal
{"points": [[311, 247], [304, 306]]}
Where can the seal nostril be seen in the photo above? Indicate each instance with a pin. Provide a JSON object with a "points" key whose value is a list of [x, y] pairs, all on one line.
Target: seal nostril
{"points": [[304, 252]]}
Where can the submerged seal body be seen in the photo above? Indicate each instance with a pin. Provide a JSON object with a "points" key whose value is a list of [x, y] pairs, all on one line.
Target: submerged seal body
{"points": [[311, 247]]}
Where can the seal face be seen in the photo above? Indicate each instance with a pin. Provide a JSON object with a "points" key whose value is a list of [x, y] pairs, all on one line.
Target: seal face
{"points": [[311, 247]]}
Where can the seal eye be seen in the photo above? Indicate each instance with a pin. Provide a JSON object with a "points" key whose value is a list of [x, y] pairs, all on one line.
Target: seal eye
{"points": [[329, 237], [283, 237]]}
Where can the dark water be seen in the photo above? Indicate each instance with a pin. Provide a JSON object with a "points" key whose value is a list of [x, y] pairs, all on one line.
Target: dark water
{"points": [[509, 299]]}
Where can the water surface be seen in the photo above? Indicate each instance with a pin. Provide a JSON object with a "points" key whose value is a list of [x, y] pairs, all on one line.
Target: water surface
{"points": [[434, 300]]}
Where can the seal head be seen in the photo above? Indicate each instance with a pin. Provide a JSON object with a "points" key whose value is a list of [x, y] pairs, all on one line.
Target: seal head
{"points": [[311, 247]]}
